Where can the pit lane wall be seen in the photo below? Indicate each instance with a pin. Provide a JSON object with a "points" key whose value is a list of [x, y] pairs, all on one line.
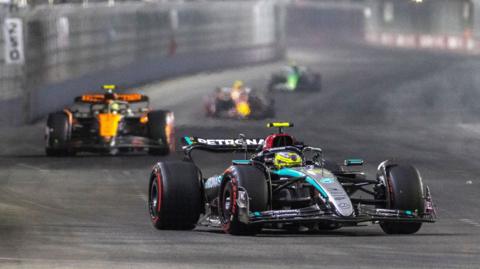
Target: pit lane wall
{"points": [[72, 49]]}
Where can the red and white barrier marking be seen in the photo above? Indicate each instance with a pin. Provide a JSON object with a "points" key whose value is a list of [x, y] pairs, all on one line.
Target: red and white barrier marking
{"points": [[455, 43]]}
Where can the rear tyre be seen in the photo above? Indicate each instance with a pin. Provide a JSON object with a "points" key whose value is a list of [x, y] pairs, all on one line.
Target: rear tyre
{"points": [[174, 196], [57, 134], [276, 80], [404, 192], [253, 181], [309, 83], [161, 129]]}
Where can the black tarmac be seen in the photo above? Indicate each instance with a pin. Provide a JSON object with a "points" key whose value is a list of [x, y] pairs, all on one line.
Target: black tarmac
{"points": [[423, 108]]}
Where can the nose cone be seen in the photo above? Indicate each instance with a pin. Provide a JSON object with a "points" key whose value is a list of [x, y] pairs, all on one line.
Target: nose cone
{"points": [[334, 190]]}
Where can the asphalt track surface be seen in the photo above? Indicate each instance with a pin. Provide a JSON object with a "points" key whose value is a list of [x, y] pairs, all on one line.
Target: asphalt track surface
{"points": [[90, 211]]}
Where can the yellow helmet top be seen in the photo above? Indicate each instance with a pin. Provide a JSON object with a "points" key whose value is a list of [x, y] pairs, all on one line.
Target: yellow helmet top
{"points": [[237, 84], [287, 159], [115, 106]]}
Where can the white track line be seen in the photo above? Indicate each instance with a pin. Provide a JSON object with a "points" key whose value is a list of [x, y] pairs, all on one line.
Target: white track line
{"points": [[471, 222], [32, 167], [140, 193]]}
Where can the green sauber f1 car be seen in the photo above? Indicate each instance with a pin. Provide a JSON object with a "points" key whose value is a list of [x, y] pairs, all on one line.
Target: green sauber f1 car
{"points": [[284, 184], [295, 78]]}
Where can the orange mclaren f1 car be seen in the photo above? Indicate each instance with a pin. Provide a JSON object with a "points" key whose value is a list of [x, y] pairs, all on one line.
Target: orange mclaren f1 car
{"points": [[110, 123]]}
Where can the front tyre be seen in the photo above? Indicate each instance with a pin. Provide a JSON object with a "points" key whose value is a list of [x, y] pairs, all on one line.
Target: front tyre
{"points": [[174, 196], [251, 180], [404, 191], [57, 134]]}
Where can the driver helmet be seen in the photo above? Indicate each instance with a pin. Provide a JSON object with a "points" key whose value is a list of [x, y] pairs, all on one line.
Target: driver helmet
{"points": [[238, 84], [114, 106], [111, 106], [237, 89], [287, 159], [294, 67]]}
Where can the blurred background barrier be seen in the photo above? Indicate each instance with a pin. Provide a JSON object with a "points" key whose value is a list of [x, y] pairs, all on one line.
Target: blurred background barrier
{"points": [[11, 80], [417, 24], [70, 49], [325, 23], [73, 48], [53, 52]]}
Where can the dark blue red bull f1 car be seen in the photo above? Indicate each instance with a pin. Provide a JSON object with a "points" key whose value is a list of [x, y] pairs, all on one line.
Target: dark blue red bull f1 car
{"points": [[284, 184]]}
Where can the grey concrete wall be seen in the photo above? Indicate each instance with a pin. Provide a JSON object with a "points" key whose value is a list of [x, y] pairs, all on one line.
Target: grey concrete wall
{"points": [[11, 84], [70, 49], [324, 23], [448, 25], [447, 17]]}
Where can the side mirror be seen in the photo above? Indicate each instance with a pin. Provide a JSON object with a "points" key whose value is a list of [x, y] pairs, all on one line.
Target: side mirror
{"points": [[352, 162]]}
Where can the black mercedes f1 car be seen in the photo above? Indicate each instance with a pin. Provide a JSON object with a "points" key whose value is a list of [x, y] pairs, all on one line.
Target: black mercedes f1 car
{"points": [[110, 123], [284, 184]]}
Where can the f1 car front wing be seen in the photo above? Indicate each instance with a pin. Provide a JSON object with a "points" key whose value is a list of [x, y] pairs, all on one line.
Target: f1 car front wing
{"points": [[315, 214]]}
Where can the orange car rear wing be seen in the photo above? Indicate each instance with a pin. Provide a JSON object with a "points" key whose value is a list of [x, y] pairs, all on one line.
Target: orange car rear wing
{"points": [[100, 98]]}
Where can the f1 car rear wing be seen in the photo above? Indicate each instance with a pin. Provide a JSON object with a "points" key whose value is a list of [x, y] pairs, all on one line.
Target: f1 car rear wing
{"points": [[100, 98], [221, 144], [229, 144]]}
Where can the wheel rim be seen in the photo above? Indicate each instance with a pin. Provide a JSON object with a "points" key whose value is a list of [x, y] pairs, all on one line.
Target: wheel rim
{"points": [[155, 197], [227, 203]]}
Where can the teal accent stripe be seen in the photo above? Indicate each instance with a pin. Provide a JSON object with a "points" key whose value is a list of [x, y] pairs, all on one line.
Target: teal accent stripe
{"points": [[317, 186], [241, 161], [354, 161], [188, 140], [285, 172]]}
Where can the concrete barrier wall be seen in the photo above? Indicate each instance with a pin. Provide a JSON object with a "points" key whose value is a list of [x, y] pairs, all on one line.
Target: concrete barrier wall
{"points": [[447, 25], [11, 84], [326, 24], [70, 50]]}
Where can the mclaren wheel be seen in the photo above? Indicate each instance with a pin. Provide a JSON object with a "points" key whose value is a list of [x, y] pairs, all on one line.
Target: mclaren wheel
{"points": [[161, 130], [57, 135]]}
